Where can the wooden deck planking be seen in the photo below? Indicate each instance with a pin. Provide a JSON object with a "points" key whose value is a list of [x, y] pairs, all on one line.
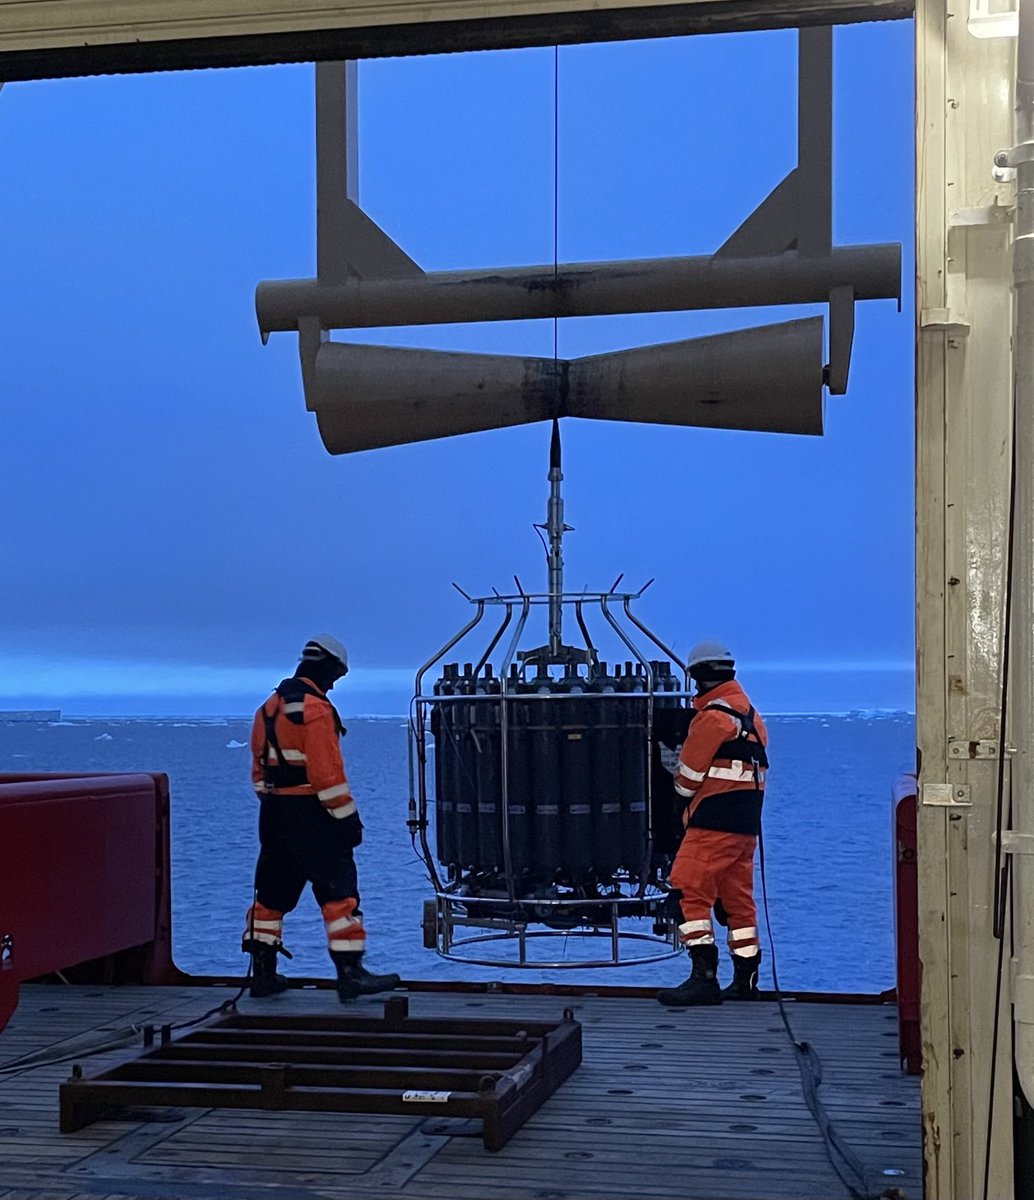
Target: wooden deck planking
{"points": [[708, 1098]]}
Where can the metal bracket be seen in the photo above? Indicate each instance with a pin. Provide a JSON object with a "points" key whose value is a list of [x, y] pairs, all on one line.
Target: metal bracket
{"points": [[841, 338], [1017, 843], [798, 213], [988, 20], [943, 320], [985, 748], [348, 241], [311, 336], [989, 216], [946, 795], [1023, 153]]}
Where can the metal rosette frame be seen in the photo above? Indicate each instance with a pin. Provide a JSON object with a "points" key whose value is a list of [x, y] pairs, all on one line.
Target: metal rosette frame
{"points": [[541, 777]]}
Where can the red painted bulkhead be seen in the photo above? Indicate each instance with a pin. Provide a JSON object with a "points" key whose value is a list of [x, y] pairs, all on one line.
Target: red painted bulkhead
{"points": [[84, 879], [906, 922]]}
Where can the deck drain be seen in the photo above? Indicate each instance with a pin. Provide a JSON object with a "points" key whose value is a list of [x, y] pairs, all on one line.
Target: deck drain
{"points": [[742, 1128], [579, 1154], [651, 1045], [620, 1092], [762, 1071], [753, 1096], [893, 1103], [599, 1120], [665, 1027], [636, 1067]]}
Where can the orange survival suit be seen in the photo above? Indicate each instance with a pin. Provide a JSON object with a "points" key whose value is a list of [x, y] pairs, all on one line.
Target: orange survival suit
{"points": [[308, 823], [721, 777]]}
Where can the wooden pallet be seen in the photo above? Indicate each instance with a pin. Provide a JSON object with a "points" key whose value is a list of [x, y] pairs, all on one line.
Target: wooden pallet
{"points": [[497, 1071]]}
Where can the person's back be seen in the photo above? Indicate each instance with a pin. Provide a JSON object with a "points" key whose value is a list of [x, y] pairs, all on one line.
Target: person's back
{"points": [[309, 825], [719, 765], [719, 783]]}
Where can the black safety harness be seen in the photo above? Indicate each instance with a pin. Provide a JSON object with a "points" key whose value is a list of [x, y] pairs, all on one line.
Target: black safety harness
{"points": [[741, 748], [282, 774]]}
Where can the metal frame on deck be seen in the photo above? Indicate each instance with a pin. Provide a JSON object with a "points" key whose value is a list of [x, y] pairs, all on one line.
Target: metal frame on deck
{"points": [[494, 1070]]}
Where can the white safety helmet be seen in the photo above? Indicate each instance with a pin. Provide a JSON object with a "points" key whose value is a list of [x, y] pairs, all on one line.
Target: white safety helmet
{"points": [[709, 651], [323, 646]]}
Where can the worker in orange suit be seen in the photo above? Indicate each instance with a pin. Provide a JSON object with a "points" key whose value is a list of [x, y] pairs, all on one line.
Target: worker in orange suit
{"points": [[720, 783], [308, 825]]}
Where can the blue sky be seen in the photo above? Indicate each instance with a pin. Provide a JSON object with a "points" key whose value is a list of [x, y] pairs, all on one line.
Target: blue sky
{"points": [[174, 529]]}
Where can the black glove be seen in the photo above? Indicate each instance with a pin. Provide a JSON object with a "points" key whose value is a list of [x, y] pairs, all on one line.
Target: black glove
{"points": [[670, 725], [349, 830]]}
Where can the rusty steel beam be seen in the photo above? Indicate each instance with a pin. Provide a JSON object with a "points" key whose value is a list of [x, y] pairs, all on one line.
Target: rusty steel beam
{"points": [[581, 289]]}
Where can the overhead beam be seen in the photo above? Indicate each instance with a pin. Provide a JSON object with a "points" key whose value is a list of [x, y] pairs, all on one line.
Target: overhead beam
{"points": [[40, 39], [581, 290]]}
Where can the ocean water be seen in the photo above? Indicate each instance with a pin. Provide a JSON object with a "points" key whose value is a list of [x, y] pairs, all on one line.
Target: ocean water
{"points": [[828, 822]]}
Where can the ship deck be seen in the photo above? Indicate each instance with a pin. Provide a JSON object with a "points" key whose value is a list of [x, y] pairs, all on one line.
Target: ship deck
{"points": [[699, 1104]]}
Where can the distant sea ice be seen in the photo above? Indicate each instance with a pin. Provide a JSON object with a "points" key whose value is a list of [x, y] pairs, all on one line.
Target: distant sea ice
{"points": [[233, 744]]}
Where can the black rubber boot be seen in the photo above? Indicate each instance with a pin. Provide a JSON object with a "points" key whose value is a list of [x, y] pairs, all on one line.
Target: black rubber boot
{"points": [[744, 984], [353, 979], [701, 987], [264, 979]]}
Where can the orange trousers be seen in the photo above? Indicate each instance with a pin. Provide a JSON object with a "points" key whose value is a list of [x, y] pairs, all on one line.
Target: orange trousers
{"points": [[710, 865]]}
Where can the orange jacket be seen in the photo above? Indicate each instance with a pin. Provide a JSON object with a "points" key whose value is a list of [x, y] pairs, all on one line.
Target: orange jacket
{"points": [[295, 750], [719, 774]]}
